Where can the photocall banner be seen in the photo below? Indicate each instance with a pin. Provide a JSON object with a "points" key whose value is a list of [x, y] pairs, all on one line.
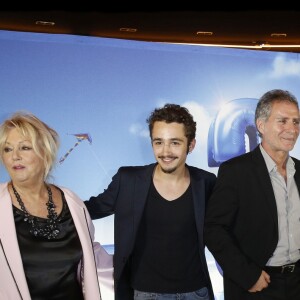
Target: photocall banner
{"points": [[98, 92]]}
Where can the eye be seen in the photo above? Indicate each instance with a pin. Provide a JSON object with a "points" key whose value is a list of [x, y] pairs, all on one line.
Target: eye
{"points": [[296, 122], [7, 149], [25, 148], [283, 121], [157, 143]]}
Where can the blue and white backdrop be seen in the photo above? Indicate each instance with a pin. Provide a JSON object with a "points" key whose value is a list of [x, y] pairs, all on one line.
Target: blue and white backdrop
{"points": [[98, 92]]}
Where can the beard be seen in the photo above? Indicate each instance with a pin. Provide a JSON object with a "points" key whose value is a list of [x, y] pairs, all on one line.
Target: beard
{"points": [[169, 171]]}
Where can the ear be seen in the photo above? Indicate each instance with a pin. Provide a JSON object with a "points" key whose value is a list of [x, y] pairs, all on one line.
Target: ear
{"points": [[260, 124], [192, 145]]}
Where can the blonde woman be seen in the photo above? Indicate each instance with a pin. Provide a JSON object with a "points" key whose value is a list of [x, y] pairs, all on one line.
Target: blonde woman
{"points": [[47, 248]]}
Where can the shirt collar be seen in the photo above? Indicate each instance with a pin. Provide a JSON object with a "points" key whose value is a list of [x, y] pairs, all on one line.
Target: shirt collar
{"points": [[271, 165]]}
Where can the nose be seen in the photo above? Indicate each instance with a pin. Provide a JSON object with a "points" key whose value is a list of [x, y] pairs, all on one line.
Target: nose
{"points": [[166, 147], [16, 154], [293, 128]]}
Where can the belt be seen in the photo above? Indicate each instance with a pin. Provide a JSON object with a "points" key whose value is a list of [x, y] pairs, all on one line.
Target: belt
{"points": [[290, 268]]}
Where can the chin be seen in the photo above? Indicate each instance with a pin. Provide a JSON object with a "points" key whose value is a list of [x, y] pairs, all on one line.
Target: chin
{"points": [[289, 147], [169, 171]]}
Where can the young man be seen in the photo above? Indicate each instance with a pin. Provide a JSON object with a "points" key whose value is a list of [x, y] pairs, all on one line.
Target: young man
{"points": [[252, 219], [159, 216]]}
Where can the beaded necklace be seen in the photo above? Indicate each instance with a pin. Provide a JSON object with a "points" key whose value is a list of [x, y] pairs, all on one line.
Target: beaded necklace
{"points": [[50, 230]]}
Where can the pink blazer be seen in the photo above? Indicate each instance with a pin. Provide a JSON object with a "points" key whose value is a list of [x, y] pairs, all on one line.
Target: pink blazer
{"points": [[96, 274]]}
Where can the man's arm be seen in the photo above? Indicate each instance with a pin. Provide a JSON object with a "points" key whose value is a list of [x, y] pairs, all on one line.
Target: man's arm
{"points": [[220, 222], [103, 205]]}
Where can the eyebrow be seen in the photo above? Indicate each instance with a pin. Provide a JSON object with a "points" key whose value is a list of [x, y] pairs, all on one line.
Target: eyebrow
{"points": [[287, 118], [7, 142], [172, 139]]}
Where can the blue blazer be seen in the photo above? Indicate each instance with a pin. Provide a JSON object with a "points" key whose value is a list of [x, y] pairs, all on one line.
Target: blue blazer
{"points": [[126, 197]]}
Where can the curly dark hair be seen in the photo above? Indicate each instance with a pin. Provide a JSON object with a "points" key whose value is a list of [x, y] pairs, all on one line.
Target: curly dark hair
{"points": [[170, 113]]}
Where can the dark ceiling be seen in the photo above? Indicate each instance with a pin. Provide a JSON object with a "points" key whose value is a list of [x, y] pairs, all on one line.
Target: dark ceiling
{"points": [[252, 28]]}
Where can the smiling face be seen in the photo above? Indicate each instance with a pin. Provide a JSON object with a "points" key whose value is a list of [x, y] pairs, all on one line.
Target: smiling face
{"points": [[20, 160], [170, 146], [281, 130]]}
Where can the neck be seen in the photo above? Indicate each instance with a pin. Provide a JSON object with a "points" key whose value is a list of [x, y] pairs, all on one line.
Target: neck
{"points": [[24, 186], [32, 193], [178, 175], [279, 157]]}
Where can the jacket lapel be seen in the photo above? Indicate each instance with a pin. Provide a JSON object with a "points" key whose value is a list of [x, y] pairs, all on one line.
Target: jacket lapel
{"points": [[143, 181], [297, 174], [91, 284], [261, 172], [198, 192], [10, 244]]}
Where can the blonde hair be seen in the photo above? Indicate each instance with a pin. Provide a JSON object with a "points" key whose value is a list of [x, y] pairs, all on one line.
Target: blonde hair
{"points": [[45, 140]]}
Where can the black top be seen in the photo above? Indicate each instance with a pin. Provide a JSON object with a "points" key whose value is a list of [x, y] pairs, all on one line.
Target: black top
{"points": [[51, 265], [166, 257]]}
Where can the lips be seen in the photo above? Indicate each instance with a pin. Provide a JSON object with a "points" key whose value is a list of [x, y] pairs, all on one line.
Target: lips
{"points": [[18, 167], [167, 159]]}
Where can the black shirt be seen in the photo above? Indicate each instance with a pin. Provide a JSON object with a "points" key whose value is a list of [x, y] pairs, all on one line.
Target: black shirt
{"points": [[166, 257], [51, 265]]}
